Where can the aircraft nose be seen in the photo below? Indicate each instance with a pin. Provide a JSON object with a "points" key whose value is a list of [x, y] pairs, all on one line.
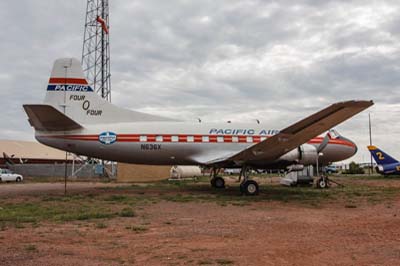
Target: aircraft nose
{"points": [[355, 148], [351, 144]]}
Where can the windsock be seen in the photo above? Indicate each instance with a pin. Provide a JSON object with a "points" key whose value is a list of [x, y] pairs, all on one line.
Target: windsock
{"points": [[103, 24]]}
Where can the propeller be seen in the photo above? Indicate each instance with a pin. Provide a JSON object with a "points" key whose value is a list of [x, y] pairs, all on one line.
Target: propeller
{"points": [[324, 143]]}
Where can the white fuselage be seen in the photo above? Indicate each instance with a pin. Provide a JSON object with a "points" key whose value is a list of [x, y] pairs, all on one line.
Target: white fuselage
{"points": [[177, 143]]}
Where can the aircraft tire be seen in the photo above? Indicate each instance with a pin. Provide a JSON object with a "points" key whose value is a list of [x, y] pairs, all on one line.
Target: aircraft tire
{"points": [[218, 182], [249, 188], [322, 183]]}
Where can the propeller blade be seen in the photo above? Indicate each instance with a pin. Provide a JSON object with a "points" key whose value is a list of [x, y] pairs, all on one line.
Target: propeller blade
{"points": [[324, 143]]}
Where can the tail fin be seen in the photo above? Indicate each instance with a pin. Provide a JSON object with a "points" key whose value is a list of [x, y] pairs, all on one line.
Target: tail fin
{"points": [[67, 75], [380, 156], [69, 92]]}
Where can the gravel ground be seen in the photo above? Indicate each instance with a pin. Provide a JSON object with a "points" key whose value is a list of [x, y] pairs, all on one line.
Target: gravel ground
{"points": [[208, 233]]}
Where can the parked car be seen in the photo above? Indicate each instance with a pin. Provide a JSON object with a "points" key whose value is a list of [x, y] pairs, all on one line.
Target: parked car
{"points": [[8, 176], [332, 169]]}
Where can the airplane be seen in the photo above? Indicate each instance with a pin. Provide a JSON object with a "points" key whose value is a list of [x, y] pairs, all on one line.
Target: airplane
{"points": [[76, 119], [386, 165]]}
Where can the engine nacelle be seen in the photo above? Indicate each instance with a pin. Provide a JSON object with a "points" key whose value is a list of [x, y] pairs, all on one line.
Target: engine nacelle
{"points": [[305, 154]]}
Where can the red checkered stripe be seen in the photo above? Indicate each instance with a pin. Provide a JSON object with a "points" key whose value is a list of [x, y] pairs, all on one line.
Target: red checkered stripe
{"points": [[166, 138]]}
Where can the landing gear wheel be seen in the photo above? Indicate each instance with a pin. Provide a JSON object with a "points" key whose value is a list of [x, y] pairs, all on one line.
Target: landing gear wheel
{"points": [[322, 182], [249, 188], [218, 182]]}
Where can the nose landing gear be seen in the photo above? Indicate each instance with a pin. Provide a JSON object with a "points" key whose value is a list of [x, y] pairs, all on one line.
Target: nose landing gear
{"points": [[323, 182]]}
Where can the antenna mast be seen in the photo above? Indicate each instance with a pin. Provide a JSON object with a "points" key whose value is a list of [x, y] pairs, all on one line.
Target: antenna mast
{"points": [[96, 47]]}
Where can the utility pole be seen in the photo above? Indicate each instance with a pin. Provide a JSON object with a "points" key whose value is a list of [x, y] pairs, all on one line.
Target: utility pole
{"points": [[370, 141]]}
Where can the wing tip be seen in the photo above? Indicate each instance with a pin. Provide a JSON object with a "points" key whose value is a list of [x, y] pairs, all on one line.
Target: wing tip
{"points": [[358, 103]]}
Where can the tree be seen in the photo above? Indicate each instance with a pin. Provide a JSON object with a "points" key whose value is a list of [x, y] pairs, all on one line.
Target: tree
{"points": [[354, 169]]}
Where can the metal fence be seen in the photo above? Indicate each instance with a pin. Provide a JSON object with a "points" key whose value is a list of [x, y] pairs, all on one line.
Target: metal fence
{"points": [[55, 170]]}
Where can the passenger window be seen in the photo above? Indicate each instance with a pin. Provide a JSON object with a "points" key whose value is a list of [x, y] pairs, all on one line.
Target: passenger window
{"points": [[190, 139], [159, 138], [249, 139], [143, 138], [174, 138], [205, 139], [220, 139], [235, 139]]}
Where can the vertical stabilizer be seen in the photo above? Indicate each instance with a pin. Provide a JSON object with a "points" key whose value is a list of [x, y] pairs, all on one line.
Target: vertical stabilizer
{"points": [[380, 156], [69, 92]]}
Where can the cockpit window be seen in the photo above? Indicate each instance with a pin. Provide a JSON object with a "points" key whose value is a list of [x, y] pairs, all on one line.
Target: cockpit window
{"points": [[333, 133]]}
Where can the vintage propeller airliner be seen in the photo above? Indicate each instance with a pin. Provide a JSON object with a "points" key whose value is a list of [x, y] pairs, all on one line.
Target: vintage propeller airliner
{"points": [[74, 118]]}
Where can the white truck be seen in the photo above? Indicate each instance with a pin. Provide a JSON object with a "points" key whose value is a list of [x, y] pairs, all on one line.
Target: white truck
{"points": [[8, 176]]}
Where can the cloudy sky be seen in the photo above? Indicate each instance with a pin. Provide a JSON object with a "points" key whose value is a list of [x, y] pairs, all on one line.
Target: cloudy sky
{"points": [[276, 61]]}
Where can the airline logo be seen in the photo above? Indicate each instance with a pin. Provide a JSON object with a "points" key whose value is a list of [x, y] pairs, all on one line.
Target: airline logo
{"points": [[69, 84], [108, 138]]}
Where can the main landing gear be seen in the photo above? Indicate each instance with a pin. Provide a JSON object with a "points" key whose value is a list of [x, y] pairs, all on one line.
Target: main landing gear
{"points": [[247, 186], [217, 181]]}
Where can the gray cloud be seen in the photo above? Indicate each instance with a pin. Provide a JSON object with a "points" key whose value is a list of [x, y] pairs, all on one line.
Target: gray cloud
{"points": [[276, 61]]}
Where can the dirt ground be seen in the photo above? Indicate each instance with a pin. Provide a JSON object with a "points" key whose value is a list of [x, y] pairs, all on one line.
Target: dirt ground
{"points": [[175, 226]]}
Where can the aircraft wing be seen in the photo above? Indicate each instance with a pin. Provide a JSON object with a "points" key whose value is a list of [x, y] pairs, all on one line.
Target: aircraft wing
{"points": [[295, 135]]}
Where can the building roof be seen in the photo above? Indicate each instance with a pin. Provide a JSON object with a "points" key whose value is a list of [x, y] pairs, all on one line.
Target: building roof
{"points": [[30, 150]]}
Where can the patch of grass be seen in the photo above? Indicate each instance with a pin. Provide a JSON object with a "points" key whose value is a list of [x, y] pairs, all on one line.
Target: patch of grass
{"points": [[127, 212], [59, 211], [19, 226], [224, 261], [101, 225], [116, 198], [371, 177], [30, 247], [84, 216], [240, 203], [3, 226], [137, 228], [205, 262], [107, 203], [180, 198], [372, 194], [67, 253]]}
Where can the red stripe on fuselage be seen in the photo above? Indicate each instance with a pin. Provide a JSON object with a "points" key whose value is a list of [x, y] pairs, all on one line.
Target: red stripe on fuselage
{"points": [[196, 138], [67, 81]]}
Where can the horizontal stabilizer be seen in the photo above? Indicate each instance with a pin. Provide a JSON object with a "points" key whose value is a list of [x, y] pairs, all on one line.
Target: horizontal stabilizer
{"points": [[45, 117]]}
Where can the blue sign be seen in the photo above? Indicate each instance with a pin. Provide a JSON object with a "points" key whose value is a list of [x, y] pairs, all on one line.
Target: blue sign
{"points": [[108, 138]]}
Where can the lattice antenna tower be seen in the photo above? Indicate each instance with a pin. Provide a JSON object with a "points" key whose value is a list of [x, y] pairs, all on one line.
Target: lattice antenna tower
{"points": [[96, 47]]}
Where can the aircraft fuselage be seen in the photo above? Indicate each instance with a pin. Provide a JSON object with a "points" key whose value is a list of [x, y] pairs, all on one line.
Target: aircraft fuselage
{"points": [[178, 143]]}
